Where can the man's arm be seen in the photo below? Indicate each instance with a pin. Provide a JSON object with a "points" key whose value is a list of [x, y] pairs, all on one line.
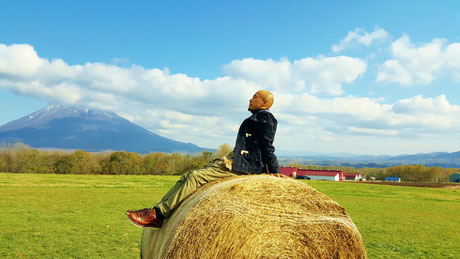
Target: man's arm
{"points": [[266, 146]]}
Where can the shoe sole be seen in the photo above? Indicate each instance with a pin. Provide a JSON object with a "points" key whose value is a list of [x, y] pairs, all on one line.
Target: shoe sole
{"points": [[132, 222]]}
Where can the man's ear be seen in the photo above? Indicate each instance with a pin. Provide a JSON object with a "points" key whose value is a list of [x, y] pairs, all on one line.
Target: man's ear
{"points": [[266, 103]]}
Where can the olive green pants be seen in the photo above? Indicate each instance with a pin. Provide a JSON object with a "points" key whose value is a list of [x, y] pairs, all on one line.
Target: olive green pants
{"points": [[192, 180]]}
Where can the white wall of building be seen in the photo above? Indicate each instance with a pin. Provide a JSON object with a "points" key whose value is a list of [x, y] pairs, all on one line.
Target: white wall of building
{"points": [[324, 177]]}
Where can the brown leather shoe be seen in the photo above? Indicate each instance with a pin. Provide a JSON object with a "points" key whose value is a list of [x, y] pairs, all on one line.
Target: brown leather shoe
{"points": [[144, 218]]}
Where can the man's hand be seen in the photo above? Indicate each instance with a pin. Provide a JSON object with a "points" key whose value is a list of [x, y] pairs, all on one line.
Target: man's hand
{"points": [[280, 176]]}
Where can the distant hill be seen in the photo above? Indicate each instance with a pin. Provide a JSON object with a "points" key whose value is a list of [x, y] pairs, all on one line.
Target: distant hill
{"points": [[87, 129], [441, 159]]}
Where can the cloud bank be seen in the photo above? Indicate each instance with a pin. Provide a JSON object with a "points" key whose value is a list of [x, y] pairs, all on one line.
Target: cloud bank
{"points": [[308, 75], [413, 64], [311, 104]]}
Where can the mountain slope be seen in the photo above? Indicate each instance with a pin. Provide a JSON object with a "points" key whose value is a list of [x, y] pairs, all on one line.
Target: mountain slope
{"points": [[92, 130]]}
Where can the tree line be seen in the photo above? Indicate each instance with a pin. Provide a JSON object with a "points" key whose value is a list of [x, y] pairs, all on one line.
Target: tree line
{"points": [[20, 158]]}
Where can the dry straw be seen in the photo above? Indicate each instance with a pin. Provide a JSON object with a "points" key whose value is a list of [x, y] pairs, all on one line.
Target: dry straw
{"points": [[255, 217]]}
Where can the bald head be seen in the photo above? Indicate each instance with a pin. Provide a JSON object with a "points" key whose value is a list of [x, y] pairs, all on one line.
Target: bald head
{"points": [[262, 99]]}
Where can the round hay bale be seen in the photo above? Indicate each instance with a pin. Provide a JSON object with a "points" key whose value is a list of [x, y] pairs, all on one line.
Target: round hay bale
{"points": [[256, 216]]}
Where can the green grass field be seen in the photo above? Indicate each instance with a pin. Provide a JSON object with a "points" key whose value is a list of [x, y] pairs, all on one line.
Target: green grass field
{"points": [[82, 216]]}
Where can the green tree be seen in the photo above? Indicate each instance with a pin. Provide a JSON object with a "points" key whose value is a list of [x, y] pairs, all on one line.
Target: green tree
{"points": [[64, 165], [206, 156], [125, 163], [155, 163], [222, 151], [28, 160]]}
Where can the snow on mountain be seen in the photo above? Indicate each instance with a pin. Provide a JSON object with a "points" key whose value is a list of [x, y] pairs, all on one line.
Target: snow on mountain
{"points": [[42, 117]]}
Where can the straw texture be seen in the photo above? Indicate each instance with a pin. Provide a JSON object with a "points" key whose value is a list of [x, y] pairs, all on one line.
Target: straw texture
{"points": [[257, 216]]}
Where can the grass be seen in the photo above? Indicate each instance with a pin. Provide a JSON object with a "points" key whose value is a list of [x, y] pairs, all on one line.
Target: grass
{"points": [[82, 216], [401, 222]]}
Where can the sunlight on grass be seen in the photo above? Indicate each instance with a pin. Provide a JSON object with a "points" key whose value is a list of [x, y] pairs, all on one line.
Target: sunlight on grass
{"points": [[400, 222], [83, 215]]}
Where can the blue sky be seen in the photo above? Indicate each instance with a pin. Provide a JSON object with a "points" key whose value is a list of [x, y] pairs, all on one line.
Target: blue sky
{"points": [[363, 77]]}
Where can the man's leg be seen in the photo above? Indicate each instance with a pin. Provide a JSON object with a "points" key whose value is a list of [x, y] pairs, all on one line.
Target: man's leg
{"points": [[188, 183]]}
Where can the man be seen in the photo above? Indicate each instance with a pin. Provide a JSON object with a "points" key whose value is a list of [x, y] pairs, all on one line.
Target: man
{"points": [[253, 154]]}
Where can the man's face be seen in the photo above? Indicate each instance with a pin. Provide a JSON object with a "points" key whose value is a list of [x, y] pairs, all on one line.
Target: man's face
{"points": [[256, 102]]}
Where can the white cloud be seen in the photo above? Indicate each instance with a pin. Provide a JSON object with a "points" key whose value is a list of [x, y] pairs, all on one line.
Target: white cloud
{"points": [[19, 60], [390, 132], [327, 138], [324, 75], [411, 64], [344, 117], [418, 104], [208, 112], [452, 55], [266, 72], [360, 37], [374, 126]]}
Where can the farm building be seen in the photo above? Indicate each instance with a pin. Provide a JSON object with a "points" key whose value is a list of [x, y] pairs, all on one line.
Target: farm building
{"points": [[455, 178], [330, 175], [392, 179], [354, 177], [289, 171]]}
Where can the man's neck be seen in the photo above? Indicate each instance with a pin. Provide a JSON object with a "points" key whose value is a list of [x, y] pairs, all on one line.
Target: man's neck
{"points": [[256, 111]]}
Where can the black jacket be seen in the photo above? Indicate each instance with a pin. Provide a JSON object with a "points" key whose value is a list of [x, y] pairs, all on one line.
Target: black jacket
{"points": [[254, 151]]}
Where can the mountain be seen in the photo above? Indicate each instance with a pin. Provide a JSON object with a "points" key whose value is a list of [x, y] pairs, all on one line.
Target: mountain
{"points": [[91, 130]]}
